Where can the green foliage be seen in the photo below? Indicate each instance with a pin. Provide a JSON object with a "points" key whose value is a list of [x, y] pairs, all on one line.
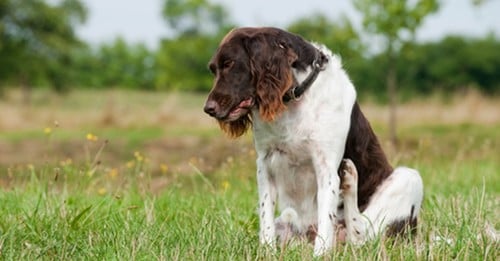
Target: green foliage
{"points": [[340, 37], [182, 63], [455, 63], [39, 47], [182, 60], [450, 65], [37, 39], [194, 17], [118, 65], [395, 20]]}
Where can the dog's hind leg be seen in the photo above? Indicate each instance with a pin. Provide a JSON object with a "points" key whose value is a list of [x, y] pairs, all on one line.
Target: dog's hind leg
{"points": [[355, 224], [393, 207]]}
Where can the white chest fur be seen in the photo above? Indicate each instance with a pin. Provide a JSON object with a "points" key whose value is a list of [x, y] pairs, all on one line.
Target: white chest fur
{"points": [[287, 159], [319, 121]]}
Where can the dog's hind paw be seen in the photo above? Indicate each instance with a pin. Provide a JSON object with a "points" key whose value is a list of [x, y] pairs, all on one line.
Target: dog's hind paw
{"points": [[348, 177]]}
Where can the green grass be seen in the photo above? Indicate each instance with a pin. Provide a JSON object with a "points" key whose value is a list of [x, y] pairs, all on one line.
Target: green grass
{"points": [[202, 218], [74, 213], [80, 199], [134, 136]]}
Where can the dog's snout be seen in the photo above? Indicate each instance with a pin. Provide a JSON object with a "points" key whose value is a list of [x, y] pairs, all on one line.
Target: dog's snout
{"points": [[211, 108]]}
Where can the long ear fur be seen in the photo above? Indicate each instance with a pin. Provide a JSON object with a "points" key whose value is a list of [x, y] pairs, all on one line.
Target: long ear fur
{"points": [[270, 62]]}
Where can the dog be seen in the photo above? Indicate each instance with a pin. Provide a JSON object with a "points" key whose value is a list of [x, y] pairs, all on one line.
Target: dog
{"points": [[318, 160]]}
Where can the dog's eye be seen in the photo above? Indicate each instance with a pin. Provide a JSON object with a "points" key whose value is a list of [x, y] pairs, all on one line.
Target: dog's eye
{"points": [[227, 64]]}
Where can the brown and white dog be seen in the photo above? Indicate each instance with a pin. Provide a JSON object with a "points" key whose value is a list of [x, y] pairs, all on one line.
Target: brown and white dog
{"points": [[317, 156]]}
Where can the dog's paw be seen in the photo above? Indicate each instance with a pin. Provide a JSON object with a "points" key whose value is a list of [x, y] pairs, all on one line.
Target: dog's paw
{"points": [[286, 226], [348, 177], [320, 249], [289, 215]]}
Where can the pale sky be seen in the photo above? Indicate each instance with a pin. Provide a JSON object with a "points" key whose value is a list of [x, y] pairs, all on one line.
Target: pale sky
{"points": [[141, 20]]}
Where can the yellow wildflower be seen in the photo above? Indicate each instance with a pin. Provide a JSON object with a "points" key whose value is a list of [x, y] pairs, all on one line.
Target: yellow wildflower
{"points": [[113, 173], [138, 156], [163, 168], [91, 137], [47, 130], [66, 162], [102, 191], [225, 184], [130, 164]]}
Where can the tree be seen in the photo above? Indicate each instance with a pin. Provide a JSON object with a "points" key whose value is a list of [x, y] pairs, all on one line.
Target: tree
{"points": [[340, 37], [198, 26], [396, 22], [194, 17], [452, 64], [130, 66], [36, 40]]}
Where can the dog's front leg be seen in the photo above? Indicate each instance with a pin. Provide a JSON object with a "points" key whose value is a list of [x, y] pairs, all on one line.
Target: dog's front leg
{"points": [[326, 164], [267, 202]]}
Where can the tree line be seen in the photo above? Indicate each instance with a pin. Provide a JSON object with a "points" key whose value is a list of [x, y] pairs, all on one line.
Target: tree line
{"points": [[39, 47]]}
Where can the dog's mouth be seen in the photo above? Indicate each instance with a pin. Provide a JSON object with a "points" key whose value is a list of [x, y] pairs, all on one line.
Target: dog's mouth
{"points": [[242, 109]]}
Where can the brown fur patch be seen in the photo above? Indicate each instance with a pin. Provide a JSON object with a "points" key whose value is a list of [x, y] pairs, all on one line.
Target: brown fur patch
{"points": [[363, 148]]}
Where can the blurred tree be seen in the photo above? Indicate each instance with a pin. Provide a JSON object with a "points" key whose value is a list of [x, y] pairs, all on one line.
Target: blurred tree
{"points": [[182, 63], [36, 39], [396, 22], [340, 37], [130, 66], [194, 17], [116, 64], [479, 2], [452, 64], [198, 26]]}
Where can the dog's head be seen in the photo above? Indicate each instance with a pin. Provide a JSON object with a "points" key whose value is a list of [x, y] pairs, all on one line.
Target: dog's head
{"points": [[252, 69]]}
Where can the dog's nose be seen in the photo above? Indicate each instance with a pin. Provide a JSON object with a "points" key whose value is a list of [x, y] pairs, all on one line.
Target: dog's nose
{"points": [[211, 108]]}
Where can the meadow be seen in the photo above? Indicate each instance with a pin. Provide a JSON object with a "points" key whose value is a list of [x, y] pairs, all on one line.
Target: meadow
{"points": [[128, 175]]}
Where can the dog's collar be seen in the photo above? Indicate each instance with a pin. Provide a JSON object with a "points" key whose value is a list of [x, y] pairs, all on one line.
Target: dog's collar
{"points": [[297, 90]]}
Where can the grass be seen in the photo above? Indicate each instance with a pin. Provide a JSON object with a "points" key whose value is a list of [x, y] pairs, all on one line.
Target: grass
{"points": [[201, 219], [170, 187]]}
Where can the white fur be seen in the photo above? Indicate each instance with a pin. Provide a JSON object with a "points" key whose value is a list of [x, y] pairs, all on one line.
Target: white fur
{"points": [[298, 155]]}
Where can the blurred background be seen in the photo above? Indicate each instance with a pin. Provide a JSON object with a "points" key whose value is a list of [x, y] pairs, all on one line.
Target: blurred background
{"points": [[120, 84]]}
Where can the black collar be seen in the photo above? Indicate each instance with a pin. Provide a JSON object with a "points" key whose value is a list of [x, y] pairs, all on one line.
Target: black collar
{"points": [[297, 90]]}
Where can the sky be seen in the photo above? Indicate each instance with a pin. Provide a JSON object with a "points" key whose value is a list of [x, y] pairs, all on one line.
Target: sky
{"points": [[141, 21]]}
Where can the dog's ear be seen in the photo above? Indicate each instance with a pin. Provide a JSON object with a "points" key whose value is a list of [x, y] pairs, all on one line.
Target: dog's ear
{"points": [[270, 63]]}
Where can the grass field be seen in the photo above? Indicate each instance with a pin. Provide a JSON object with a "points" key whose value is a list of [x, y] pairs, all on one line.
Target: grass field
{"points": [[100, 175]]}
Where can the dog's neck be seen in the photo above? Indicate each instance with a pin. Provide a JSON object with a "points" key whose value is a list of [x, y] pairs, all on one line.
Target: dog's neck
{"points": [[296, 91]]}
